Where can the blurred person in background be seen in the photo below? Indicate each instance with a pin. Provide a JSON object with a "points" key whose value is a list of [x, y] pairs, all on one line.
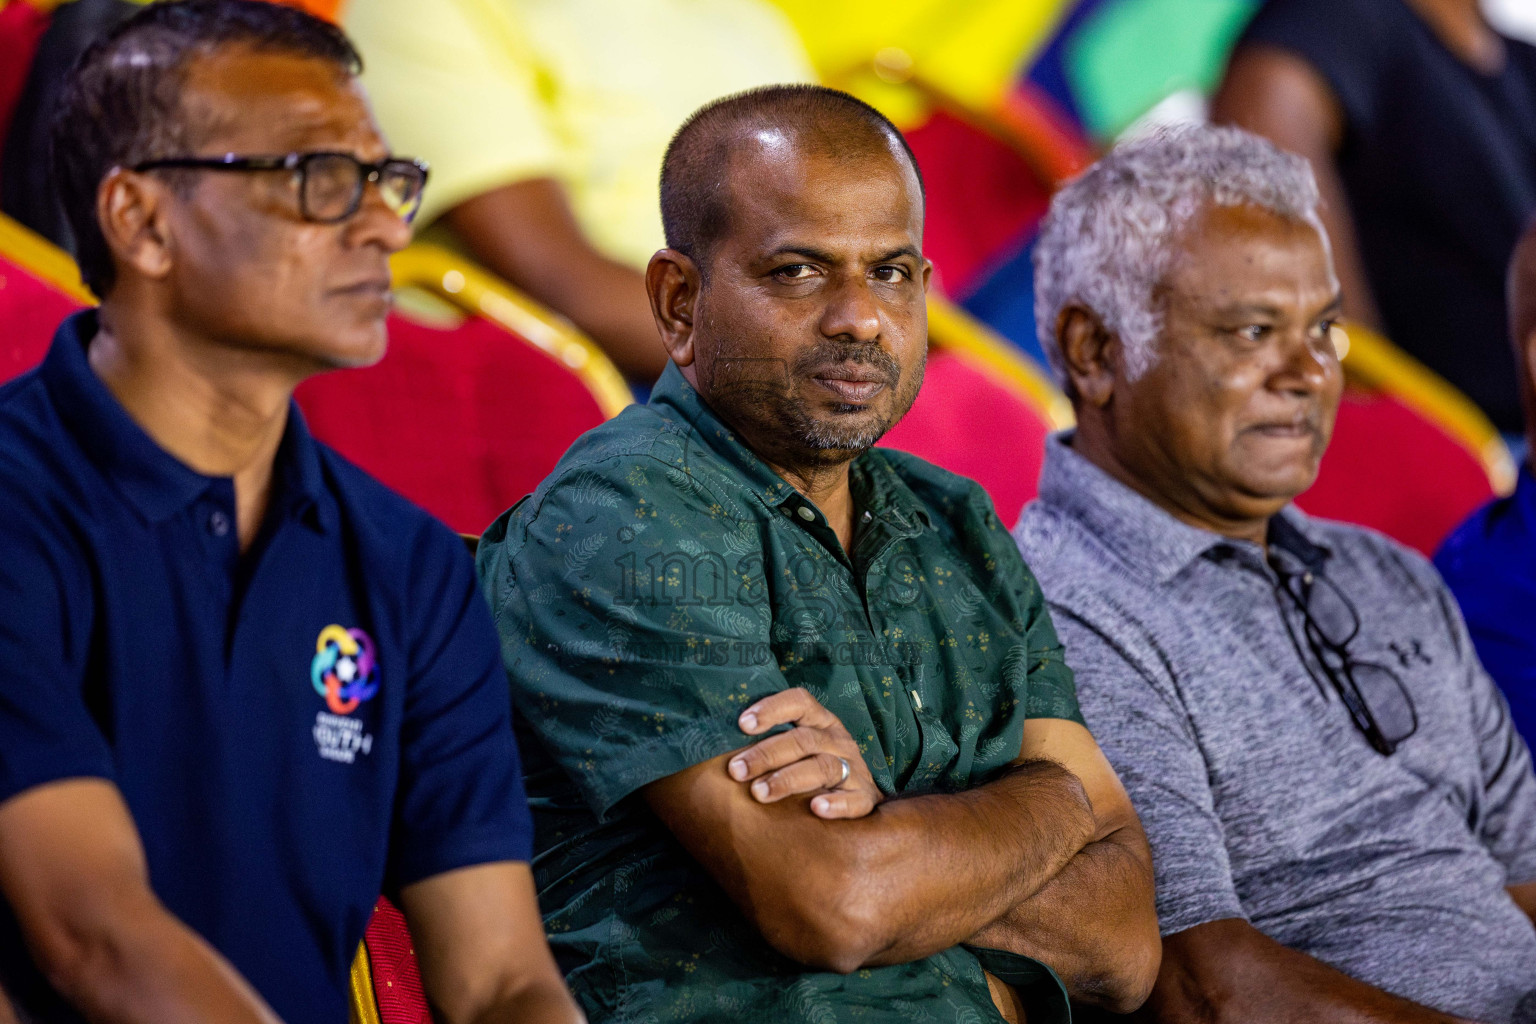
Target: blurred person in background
{"points": [[1342, 817], [1489, 562], [545, 122], [1419, 120], [41, 43], [244, 688]]}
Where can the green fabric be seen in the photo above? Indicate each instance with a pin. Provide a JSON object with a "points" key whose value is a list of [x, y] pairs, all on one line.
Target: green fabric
{"points": [[660, 580], [1130, 55]]}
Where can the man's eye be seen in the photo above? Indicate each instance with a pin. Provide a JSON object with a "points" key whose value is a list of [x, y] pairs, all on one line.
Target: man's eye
{"points": [[1253, 332], [891, 274], [1324, 328], [794, 272]]}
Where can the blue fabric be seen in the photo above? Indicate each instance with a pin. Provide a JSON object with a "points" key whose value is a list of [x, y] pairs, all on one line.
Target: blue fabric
{"points": [[294, 730], [1489, 562], [1005, 301]]}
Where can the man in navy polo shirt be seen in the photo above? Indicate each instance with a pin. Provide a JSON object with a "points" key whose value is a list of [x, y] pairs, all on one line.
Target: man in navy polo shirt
{"points": [[243, 687]]}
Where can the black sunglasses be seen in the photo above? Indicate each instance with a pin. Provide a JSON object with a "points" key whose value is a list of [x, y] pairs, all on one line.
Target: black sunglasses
{"points": [[330, 184], [1375, 696]]}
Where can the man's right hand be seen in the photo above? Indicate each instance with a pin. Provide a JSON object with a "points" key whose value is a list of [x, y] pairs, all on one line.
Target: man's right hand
{"points": [[809, 758]]}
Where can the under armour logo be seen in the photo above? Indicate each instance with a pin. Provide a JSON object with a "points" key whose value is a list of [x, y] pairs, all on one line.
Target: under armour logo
{"points": [[1413, 652]]}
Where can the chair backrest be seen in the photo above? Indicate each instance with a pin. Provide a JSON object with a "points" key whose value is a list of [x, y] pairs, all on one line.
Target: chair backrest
{"points": [[22, 25], [984, 411], [1410, 456], [465, 418], [989, 173], [39, 286], [1390, 468], [386, 983]]}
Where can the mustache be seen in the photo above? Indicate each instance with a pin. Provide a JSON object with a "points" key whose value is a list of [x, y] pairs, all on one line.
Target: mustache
{"points": [[835, 355]]}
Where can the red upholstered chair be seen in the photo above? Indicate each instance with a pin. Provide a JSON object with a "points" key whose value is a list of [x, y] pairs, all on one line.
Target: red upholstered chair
{"points": [[1410, 455], [39, 286], [465, 417], [386, 985], [989, 172], [22, 25], [984, 410]]}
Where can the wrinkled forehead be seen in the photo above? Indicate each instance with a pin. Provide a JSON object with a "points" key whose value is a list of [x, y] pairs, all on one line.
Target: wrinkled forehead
{"points": [[239, 99]]}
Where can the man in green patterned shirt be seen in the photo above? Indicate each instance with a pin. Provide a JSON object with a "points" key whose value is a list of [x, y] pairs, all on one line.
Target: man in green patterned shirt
{"points": [[923, 829]]}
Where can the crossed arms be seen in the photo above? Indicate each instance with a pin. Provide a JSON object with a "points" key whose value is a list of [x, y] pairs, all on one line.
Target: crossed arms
{"points": [[1046, 860]]}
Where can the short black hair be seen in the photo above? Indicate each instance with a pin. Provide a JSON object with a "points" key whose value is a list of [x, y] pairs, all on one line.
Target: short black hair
{"points": [[694, 206], [122, 102]]}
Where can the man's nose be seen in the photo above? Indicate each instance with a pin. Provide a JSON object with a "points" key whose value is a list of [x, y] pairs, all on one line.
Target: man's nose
{"points": [[1307, 364], [852, 312], [375, 223]]}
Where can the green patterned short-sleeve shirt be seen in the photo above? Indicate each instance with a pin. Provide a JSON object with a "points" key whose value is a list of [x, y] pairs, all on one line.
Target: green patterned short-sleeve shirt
{"points": [[663, 578]]}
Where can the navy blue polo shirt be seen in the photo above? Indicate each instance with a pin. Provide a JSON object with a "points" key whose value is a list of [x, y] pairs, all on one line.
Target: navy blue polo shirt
{"points": [[294, 730]]}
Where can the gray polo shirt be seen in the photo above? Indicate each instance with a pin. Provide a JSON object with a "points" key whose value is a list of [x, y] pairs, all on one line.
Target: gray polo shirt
{"points": [[1260, 798]]}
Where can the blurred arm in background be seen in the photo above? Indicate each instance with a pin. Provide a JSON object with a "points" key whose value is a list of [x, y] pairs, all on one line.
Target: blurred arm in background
{"points": [[545, 126], [526, 233]]}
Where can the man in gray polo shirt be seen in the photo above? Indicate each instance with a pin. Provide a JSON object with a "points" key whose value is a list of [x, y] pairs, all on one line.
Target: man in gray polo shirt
{"points": [[1342, 820]]}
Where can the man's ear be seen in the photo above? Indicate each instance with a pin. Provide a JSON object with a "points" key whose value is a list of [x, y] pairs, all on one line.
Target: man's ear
{"points": [[1091, 353], [672, 281], [131, 210]]}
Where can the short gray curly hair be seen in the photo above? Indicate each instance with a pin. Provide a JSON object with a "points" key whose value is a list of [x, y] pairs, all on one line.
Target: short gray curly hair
{"points": [[1105, 244]]}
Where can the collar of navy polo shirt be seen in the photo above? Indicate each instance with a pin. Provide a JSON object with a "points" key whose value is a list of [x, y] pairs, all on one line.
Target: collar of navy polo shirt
{"points": [[878, 489], [1143, 535], [155, 483]]}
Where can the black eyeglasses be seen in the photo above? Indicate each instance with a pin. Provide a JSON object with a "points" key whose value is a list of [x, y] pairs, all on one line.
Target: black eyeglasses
{"points": [[1376, 698], [330, 184]]}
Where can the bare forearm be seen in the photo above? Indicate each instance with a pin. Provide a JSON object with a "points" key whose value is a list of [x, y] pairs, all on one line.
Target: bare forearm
{"points": [[1524, 896], [527, 234], [1227, 971], [155, 971], [1094, 923], [925, 873], [536, 1004]]}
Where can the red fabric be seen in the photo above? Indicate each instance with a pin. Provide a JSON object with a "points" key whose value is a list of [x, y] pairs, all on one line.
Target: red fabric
{"points": [[462, 421], [983, 199], [1394, 471], [969, 424], [396, 980], [30, 311], [21, 29]]}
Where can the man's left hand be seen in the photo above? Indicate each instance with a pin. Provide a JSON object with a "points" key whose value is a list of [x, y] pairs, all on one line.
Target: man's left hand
{"points": [[816, 756]]}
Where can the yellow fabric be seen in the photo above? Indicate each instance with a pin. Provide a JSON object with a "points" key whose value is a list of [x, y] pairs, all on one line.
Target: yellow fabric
{"points": [[972, 50], [588, 92]]}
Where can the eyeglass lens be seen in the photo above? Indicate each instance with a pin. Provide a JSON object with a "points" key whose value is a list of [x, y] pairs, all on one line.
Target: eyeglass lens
{"points": [[333, 186], [1332, 619], [1330, 612], [1389, 703]]}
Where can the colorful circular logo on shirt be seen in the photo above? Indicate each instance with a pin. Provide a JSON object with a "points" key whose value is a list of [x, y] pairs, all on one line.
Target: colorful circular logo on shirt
{"points": [[344, 671]]}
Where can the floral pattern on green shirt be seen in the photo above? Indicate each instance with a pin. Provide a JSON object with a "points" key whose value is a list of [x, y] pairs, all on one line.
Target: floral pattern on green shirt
{"points": [[660, 580]]}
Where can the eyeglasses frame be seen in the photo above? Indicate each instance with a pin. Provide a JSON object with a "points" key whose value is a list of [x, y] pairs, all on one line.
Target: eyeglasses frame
{"points": [[367, 173], [1342, 677]]}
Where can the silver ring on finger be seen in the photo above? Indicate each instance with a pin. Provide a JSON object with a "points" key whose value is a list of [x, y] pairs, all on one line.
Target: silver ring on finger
{"points": [[846, 772]]}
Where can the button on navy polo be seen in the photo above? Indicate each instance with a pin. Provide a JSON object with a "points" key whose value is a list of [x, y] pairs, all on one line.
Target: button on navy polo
{"points": [[294, 730]]}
